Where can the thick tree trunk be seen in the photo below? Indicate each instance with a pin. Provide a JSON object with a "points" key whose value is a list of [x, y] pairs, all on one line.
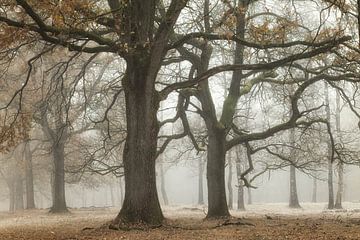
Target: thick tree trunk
{"points": [[201, 183], [162, 185], [217, 206], [229, 182], [58, 201], [29, 178], [141, 203], [314, 192]]}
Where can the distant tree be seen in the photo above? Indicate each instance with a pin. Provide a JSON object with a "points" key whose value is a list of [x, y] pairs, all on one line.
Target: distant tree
{"points": [[144, 33]]}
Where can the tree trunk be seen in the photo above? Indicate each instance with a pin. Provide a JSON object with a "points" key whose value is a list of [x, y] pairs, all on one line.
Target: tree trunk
{"points": [[200, 183], [19, 194], [229, 182], [11, 186], [240, 200], [330, 185], [215, 174], [59, 203], [217, 131], [141, 203], [293, 201], [330, 164], [314, 193], [30, 201], [249, 196], [339, 193], [340, 189], [162, 185]]}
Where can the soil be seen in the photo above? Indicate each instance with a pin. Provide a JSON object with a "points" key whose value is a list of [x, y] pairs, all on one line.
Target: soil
{"points": [[259, 222]]}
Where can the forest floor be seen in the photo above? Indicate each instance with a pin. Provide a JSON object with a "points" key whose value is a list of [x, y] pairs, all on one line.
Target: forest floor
{"points": [[259, 222]]}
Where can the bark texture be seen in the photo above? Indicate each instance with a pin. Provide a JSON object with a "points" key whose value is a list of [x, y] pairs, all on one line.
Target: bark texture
{"points": [[59, 202], [141, 203], [217, 205]]}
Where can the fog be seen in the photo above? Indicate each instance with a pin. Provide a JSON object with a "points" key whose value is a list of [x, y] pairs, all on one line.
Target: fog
{"points": [[132, 113], [181, 182]]}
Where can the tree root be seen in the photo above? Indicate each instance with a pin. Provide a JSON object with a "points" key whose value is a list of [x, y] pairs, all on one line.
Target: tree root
{"points": [[125, 226], [166, 225], [222, 223]]}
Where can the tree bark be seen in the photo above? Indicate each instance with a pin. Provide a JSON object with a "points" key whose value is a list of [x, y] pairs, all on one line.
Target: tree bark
{"points": [[59, 202], [141, 203], [217, 206], [29, 178], [147, 50]]}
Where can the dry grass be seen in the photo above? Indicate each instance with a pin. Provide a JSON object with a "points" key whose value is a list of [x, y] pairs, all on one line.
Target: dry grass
{"points": [[262, 222]]}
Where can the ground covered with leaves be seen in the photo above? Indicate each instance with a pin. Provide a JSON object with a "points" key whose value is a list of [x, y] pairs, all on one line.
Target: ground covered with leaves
{"points": [[260, 221]]}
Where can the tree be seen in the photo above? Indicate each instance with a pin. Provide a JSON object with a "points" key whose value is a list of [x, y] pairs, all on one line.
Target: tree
{"points": [[242, 83], [340, 187], [29, 178], [330, 158], [293, 200], [142, 33]]}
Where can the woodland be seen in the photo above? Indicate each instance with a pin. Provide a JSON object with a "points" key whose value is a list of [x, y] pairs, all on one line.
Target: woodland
{"points": [[112, 94]]}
